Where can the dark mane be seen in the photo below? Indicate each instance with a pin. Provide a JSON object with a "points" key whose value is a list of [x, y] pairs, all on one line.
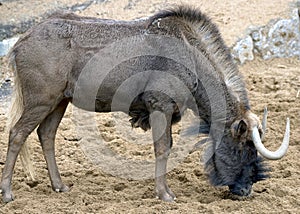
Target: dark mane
{"points": [[208, 40], [187, 13]]}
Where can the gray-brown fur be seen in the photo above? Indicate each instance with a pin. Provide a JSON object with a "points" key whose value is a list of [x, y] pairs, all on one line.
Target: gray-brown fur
{"points": [[203, 34], [50, 57]]}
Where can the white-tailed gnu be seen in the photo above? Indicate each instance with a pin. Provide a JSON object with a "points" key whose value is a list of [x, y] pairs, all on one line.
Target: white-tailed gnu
{"points": [[152, 69]]}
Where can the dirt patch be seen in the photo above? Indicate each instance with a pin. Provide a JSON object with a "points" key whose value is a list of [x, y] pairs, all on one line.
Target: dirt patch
{"points": [[274, 83]]}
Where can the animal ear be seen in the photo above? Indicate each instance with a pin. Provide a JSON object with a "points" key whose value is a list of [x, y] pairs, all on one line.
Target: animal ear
{"points": [[239, 128]]}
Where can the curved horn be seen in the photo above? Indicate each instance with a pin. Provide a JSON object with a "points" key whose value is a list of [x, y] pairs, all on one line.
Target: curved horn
{"points": [[267, 153], [264, 123]]}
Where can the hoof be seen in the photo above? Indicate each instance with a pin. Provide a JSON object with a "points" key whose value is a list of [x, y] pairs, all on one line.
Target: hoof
{"points": [[64, 188], [167, 197], [171, 193], [7, 197], [166, 194]]}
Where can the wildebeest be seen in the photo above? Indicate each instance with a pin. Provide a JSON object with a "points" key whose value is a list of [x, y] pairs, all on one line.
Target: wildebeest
{"points": [[50, 58]]}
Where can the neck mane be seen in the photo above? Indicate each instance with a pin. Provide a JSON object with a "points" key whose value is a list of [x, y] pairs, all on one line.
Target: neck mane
{"points": [[206, 37]]}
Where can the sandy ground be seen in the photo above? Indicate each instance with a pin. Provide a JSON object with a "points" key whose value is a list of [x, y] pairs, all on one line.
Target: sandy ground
{"points": [[274, 83]]}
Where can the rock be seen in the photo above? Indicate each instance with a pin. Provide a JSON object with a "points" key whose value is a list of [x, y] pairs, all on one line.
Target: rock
{"points": [[243, 50], [279, 38], [6, 44], [5, 90]]}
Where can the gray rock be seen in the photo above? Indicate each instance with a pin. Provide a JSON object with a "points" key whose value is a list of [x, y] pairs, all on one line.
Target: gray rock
{"points": [[279, 38], [243, 50], [6, 44], [5, 89]]}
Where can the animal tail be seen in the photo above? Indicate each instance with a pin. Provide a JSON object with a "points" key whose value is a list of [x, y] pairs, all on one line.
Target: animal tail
{"points": [[15, 113]]}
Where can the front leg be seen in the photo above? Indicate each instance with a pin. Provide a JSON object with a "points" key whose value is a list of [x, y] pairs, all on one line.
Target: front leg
{"points": [[162, 189], [162, 137]]}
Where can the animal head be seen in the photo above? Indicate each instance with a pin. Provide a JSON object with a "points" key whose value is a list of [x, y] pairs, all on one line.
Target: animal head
{"points": [[235, 161]]}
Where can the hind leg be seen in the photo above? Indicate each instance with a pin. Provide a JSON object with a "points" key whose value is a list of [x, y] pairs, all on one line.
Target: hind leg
{"points": [[46, 132], [30, 118]]}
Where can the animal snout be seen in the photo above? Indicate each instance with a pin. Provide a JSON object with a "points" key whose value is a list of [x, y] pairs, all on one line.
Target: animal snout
{"points": [[240, 190], [245, 191]]}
